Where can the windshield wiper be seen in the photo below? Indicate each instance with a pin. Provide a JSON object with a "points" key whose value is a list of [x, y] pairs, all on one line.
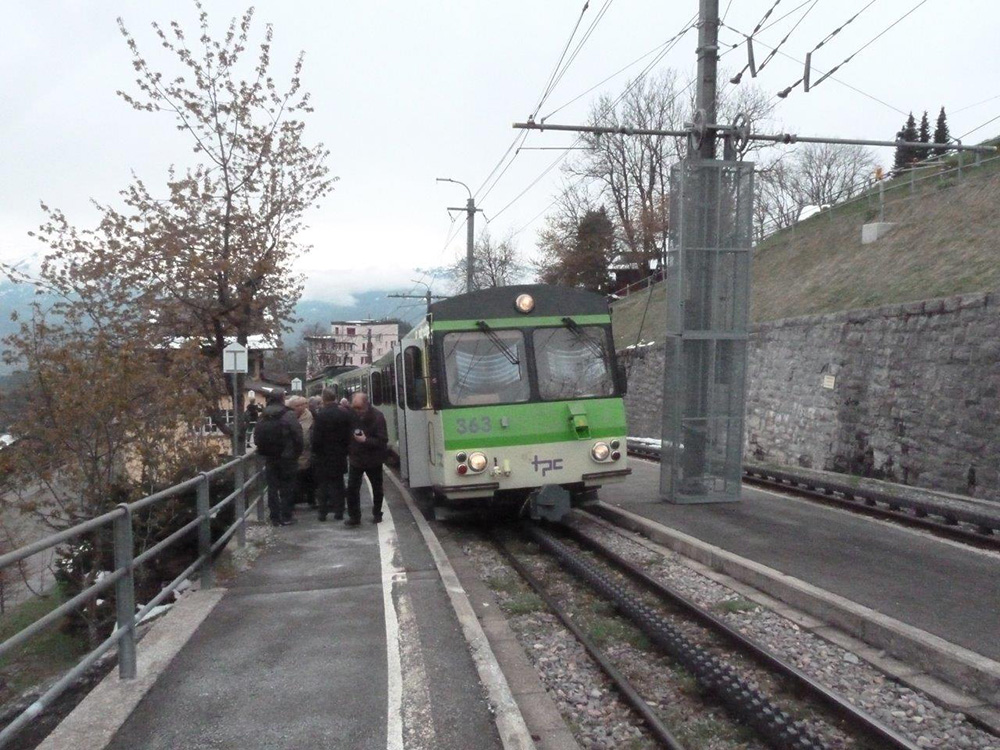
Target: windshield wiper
{"points": [[595, 346], [483, 326]]}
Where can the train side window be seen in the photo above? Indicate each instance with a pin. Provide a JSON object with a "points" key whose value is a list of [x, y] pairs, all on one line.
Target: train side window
{"points": [[376, 390], [390, 384], [415, 384]]}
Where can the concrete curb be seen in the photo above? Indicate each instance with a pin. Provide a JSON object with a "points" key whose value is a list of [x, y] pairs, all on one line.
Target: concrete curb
{"points": [[513, 731], [544, 720], [965, 670], [94, 723]]}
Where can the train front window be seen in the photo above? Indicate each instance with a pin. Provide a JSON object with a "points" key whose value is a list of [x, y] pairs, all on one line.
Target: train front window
{"points": [[486, 368], [572, 362]]}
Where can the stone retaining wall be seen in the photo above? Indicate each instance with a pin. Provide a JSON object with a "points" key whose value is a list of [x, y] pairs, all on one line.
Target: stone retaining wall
{"points": [[915, 394]]}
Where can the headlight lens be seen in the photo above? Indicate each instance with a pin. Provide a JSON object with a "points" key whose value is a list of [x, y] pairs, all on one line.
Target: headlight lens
{"points": [[616, 444], [524, 303], [600, 451], [477, 461], [461, 457]]}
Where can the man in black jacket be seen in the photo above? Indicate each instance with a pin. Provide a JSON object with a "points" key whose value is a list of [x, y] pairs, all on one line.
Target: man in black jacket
{"points": [[331, 439], [369, 448], [278, 437]]}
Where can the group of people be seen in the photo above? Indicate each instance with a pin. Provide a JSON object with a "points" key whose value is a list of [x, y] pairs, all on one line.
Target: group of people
{"points": [[308, 448]]}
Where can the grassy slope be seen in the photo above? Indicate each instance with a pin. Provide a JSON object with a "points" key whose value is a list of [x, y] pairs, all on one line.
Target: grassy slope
{"points": [[947, 241]]}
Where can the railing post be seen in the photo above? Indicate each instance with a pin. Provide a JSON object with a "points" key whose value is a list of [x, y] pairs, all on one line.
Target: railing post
{"points": [[125, 593], [241, 503], [205, 533], [961, 158], [261, 487]]}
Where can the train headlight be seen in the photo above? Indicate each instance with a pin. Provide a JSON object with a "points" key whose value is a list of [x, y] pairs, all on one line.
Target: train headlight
{"points": [[461, 457], [524, 303], [477, 461], [615, 444], [600, 451]]}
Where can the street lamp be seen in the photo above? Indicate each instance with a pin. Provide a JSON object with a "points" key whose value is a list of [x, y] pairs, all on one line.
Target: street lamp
{"points": [[470, 210]]}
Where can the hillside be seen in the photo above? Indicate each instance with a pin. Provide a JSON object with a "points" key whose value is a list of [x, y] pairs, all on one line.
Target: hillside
{"points": [[946, 241]]}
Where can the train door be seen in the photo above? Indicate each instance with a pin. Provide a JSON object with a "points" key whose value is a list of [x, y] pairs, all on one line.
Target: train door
{"points": [[401, 418], [416, 388]]}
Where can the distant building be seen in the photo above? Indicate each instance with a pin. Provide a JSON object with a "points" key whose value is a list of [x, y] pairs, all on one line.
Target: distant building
{"points": [[349, 343]]}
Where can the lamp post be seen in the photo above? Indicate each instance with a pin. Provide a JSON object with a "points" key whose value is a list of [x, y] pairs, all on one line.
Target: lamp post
{"points": [[470, 210]]}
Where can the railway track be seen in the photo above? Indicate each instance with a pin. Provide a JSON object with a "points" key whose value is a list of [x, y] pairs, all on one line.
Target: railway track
{"points": [[590, 561], [977, 529]]}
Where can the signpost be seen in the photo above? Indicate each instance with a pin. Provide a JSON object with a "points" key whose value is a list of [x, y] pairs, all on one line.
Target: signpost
{"points": [[296, 385], [234, 361]]}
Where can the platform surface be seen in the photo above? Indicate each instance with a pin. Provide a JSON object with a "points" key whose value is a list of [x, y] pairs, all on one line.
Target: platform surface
{"points": [[295, 654], [945, 588]]}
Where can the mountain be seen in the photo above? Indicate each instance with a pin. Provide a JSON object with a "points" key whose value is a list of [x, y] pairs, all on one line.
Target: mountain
{"points": [[18, 298]]}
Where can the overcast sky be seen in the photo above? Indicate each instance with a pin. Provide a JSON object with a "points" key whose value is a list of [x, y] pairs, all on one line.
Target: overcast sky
{"points": [[408, 91]]}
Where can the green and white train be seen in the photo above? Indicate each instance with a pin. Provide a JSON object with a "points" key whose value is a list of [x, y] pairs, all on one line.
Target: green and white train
{"points": [[503, 395]]}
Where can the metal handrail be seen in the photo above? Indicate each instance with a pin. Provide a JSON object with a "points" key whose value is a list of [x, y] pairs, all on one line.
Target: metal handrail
{"points": [[126, 561]]}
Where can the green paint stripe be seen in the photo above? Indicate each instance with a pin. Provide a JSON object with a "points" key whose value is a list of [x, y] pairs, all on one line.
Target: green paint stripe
{"points": [[525, 321], [546, 422]]}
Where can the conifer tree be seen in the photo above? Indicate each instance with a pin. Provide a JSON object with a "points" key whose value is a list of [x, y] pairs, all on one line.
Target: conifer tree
{"points": [[910, 134], [925, 129], [941, 134]]}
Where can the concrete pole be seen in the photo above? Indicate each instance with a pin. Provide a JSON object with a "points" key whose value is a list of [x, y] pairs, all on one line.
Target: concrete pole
{"points": [[470, 241]]}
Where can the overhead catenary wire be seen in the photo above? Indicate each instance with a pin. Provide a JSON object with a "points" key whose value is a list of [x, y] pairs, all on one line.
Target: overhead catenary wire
{"points": [[638, 79], [836, 80], [970, 106], [555, 70], [979, 127], [785, 92], [586, 36], [660, 48]]}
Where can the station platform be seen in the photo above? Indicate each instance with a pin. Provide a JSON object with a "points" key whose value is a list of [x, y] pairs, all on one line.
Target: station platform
{"points": [[942, 587], [297, 653]]}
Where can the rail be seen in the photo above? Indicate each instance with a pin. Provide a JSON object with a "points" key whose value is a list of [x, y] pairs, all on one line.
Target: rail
{"points": [[122, 578], [951, 511]]}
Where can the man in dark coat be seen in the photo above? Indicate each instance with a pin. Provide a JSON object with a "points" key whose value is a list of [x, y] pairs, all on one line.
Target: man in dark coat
{"points": [[278, 437], [331, 440], [369, 448]]}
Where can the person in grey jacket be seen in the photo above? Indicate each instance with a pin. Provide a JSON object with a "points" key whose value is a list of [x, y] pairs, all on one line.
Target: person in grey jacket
{"points": [[278, 437]]}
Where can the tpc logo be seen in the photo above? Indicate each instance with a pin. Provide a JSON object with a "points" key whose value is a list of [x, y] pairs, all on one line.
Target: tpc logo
{"points": [[547, 464]]}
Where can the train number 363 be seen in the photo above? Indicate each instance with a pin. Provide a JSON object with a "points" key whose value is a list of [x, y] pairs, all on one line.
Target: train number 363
{"points": [[474, 425]]}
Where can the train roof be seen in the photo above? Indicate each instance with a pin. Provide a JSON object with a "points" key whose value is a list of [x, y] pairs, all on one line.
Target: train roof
{"points": [[498, 302]]}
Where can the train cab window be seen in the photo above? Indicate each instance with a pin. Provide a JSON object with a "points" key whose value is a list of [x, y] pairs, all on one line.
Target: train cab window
{"points": [[415, 383], [486, 368], [573, 362]]}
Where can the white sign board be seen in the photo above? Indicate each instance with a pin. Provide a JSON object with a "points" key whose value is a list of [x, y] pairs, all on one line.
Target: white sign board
{"points": [[234, 358], [296, 384], [829, 381]]}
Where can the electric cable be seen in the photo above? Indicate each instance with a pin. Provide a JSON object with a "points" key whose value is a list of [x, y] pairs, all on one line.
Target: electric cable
{"points": [[868, 44], [979, 127], [837, 80], [970, 106], [550, 84]]}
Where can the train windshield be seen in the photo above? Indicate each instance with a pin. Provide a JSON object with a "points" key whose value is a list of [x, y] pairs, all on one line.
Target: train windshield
{"points": [[573, 362], [486, 368]]}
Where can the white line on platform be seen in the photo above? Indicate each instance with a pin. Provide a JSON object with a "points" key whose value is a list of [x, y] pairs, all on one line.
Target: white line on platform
{"points": [[514, 734], [388, 544]]}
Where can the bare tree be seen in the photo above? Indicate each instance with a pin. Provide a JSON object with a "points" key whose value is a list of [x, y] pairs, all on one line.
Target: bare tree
{"points": [[495, 262], [629, 175], [813, 175]]}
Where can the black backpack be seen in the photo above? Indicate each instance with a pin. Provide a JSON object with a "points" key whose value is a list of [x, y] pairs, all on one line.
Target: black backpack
{"points": [[271, 435]]}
